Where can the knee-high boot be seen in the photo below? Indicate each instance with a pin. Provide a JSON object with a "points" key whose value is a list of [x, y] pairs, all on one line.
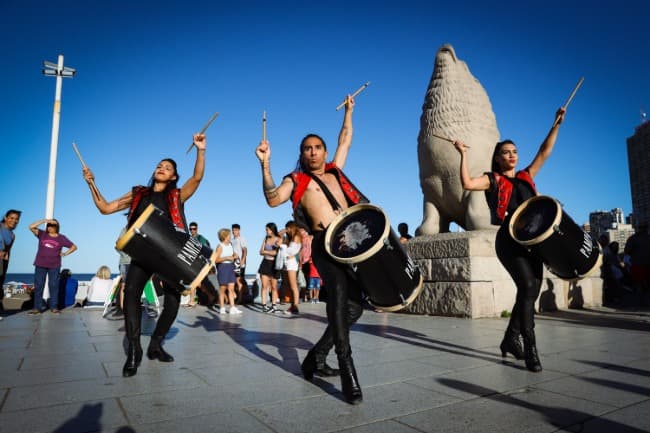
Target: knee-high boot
{"points": [[530, 351], [349, 382], [133, 358]]}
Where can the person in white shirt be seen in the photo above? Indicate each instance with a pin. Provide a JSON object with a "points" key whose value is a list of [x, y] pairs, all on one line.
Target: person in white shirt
{"points": [[240, 247]]}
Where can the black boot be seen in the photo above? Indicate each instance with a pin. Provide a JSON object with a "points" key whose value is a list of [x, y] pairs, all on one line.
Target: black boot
{"points": [[349, 382], [155, 350], [530, 352], [512, 344], [316, 364], [133, 359]]}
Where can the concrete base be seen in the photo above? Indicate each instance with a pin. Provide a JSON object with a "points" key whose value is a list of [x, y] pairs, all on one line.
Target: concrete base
{"points": [[463, 277]]}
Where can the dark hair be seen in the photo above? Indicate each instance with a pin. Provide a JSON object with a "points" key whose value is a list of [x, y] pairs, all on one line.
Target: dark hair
{"points": [[402, 228], [299, 164], [9, 212], [497, 149], [56, 226], [172, 184], [193, 224], [235, 226], [273, 228]]}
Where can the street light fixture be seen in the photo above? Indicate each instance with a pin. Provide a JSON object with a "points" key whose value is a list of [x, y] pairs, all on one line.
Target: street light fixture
{"points": [[59, 71]]}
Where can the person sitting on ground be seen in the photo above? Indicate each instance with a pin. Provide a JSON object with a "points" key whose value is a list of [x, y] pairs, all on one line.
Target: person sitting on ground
{"points": [[100, 287]]}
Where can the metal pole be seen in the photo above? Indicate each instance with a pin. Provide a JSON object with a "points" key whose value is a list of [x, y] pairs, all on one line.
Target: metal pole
{"points": [[54, 143]]}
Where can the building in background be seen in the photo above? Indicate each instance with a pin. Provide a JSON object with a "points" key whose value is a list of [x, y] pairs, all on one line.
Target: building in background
{"points": [[638, 157], [611, 224]]}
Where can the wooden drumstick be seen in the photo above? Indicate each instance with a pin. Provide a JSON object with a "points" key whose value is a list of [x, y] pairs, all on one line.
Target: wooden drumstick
{"points": [[205, 128], [447, 139], [76, 150], [359, 90], [573, 93], [93, 187], [264, 126]]}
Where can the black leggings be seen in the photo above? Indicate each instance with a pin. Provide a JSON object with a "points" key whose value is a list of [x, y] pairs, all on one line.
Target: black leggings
{"points": [[343, 300], [526, 270], [136, 279]]}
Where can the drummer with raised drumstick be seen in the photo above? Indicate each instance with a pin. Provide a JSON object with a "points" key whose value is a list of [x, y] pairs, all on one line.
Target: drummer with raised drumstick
{"points": [[505, 189], [306, 188], [163, 193]]}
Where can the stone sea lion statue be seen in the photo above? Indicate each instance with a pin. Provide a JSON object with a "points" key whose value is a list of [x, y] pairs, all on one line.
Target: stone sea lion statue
{"points": [[456, 106]]}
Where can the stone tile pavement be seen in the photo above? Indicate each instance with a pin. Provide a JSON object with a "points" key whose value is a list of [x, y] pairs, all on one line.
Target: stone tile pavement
{"points": [[62, 373]]}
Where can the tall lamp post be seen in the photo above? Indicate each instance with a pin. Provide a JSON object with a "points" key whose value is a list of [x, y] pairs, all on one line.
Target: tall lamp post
{"points": [[59, 71]]}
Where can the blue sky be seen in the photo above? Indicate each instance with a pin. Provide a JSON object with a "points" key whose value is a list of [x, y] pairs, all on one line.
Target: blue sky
{"points": [[150, 74]]}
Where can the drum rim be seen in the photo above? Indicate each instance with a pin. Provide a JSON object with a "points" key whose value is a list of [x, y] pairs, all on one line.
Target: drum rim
{"points": [[547, 233], [596, 266], [372, 251], [126, 237], [416, 292]]}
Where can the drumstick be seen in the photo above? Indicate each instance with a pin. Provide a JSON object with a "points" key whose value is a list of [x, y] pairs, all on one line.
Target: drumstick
{"points": [[573, 93], [264, 126], [205, 128], [76, 150], [448, 139], [359, 90], [93, 187]]}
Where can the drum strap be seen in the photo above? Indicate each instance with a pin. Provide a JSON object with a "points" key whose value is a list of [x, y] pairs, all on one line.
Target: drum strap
{"points": [[330, 197]]}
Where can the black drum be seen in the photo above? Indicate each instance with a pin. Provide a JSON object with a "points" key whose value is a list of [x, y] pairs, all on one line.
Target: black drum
{"points": [[175, 256], [362, 237], [543, 227]]}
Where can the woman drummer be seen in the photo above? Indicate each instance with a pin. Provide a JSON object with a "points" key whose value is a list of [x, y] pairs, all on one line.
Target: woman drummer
{"points": [[505, 189], [165, 195]]}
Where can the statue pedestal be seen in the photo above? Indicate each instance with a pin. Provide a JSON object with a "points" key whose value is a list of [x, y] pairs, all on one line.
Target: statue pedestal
{"points": [[463, 277]]}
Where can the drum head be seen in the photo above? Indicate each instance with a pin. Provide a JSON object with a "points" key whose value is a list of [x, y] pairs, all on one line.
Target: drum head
{"points": [[126, 237], [534, 219], [357, 233]]}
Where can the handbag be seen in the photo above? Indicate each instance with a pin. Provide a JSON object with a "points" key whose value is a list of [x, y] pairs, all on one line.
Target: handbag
{"points": [[280, 259]]}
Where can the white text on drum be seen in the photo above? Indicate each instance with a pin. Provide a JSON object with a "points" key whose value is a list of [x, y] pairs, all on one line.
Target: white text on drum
{"points": [[587, 245], [190, 251]]}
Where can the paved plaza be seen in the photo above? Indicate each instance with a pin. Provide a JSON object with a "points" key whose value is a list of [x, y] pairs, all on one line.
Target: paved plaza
{"points": [[62, 373]]}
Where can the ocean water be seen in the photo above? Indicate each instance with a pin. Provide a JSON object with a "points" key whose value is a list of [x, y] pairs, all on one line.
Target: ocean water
{"points": [[29, 278]]}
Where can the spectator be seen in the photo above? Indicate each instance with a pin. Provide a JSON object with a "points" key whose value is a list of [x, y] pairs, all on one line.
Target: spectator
{"points": [[305, 262], [124, 262], [268, 274], [226, 272], [403, 230], [240, 247], [194, 232], [612, 274], [7, 237], [291, 248], [100, 287], [314, 284], [637, 248], [48, 262]]}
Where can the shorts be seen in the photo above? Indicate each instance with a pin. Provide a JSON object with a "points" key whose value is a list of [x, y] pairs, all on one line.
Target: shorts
{"points": [[226, 273], [314, 283]]}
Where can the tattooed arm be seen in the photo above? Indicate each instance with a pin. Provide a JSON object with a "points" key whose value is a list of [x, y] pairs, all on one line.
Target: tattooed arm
{"points": [[345, 136], [275, 195]]}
